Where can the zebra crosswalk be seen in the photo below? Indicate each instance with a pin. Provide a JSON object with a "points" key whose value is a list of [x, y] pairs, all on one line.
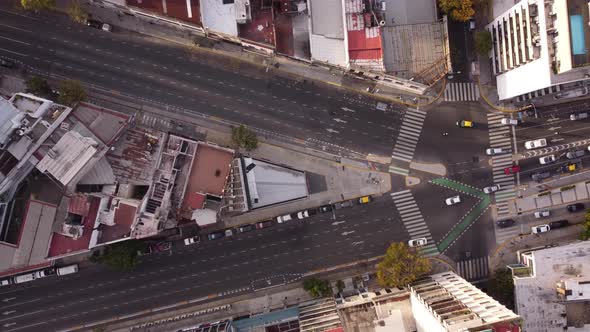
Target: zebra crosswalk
{"points": [[408, 136], [474, 269], [500, 138], [413, 220], [461, 92]]}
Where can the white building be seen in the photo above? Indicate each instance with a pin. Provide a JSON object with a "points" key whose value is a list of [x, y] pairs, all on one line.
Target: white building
{"points": [[552, 288], [445, 302], [539, 45]]}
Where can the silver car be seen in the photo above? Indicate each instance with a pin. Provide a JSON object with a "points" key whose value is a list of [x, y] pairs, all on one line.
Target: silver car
{"points": [[492, 188]]}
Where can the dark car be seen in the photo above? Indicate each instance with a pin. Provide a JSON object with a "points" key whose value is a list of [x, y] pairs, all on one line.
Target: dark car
{"points": [[6, 63], [505, 223], [575, 207], [216, 235], [559, 224], [246, 228], [94, 23], [540, 176], [263, 224], [344, 204], [325, 208]]}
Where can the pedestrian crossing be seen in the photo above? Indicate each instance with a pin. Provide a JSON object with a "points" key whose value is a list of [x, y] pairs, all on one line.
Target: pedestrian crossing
{"points": [[408, 136], [539, 93], [474, 269], [413, 220], [154, 122], [500, 138], [461, 92]]}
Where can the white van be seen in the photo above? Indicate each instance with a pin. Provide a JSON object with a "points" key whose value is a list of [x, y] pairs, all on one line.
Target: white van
{"points": [[67, 269], [24, 278]]}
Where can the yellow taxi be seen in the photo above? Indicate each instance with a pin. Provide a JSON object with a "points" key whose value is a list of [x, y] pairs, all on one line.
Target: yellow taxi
{"points": [[465, 124], [364, 199]]}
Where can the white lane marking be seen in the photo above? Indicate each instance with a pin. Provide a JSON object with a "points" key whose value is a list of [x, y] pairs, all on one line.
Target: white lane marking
{"points": [[10, 26], [13, 13], [16, 41], [2, 49]]}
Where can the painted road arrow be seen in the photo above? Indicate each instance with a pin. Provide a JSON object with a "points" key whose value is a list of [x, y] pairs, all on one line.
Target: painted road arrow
{"points": [[553, 128], [333, 131], [346, 233], [339, 120]]}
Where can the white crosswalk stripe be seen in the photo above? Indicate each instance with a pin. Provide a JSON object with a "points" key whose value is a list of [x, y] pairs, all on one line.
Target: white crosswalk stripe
{"points": [[474, 269], [413, 220], [500, 138], [504, 234], [461, 92], [408, 137]]}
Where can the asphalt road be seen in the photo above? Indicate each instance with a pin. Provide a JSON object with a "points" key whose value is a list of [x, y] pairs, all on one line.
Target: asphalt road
{"points": [[153, 70]]}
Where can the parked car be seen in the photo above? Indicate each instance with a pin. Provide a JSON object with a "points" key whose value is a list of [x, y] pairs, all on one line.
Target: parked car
{"points": [[67, 269], [568, 168], [146, 251], [542, 214], [465, 124], [216, 235], [325, 208], [6, 63], [343, 204], [192, 240], [246, 228], [263, 224], [6, 282], [302, 214], [99, 25], [282, 219], [229, 232], [161, 246], [365, 200], [559, 224], [575, 207], [540, 229], [512, 170], [417, 242], [496, 151], [453, 200], [547, 159], [540, 176], [575, 154], [578, 116], [505, 223], [510, 122], [492, 188], [538, 143]]}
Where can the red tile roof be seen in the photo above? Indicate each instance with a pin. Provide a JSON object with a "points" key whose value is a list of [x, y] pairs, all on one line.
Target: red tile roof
{"points": [[79, 205], [361, 46]]}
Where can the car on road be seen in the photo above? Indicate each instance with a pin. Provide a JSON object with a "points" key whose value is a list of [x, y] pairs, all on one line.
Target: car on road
{"points": [[303, 214], [192, 240], [343, 204], [505, 223], [540, 176], [568, 168], [575, 154], [263, 224], [512, 170], [540, 229], [510, 122], [559, 224], [496, 151], [246, 228], [492, 188], [542, 214], [418, 242], [282, 219], [365, 200], [6, 63], [538, 143], [578, 116], [216, 235], [453, 200], [229, 232], [465, 124], [99, 25], [575, 207], [6, 282], [547, 159], [325, 208]]}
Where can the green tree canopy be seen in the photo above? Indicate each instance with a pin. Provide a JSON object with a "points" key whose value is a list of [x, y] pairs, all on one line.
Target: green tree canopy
{"points": [[39, 87], [585, 235], [501, 287], [71, 92], [458, 10], [121, 255], [401, 266], [245, 138], [76, 13], [37, 5], [483, 42], [317, 287]]}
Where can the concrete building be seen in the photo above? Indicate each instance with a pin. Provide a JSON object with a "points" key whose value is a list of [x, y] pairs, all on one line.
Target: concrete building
{"points": [[552, 288], [446, 302], [539, 45]]}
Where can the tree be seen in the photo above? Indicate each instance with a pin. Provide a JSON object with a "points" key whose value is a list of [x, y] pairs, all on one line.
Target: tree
{"points": [[243, 137], [76, 13], [121, 255], [585, 235], [39, 87], [401, 265], [317, 287], [37, 5], [501, 287], [71, 92], [340, 285], [483, 42], [458, 10]]}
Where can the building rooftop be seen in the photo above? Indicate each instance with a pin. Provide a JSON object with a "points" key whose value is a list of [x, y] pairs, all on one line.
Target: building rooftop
{"points": [[186, 10], [260, 28], [105, 124], [219, 16], [209, 170], [123, 220]]}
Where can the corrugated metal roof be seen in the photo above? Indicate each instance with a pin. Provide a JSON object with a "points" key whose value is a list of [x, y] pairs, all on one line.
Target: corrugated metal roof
{"points": [[100, 174], [365, 44], [326, 18]]}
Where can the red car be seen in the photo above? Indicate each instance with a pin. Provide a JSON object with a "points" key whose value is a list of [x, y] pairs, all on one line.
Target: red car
{"points": [[512, 170]]}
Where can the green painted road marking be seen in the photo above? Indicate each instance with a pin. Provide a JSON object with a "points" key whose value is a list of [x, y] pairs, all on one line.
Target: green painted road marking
{"points": [[400, 171], [429, 251], [460, 187]]}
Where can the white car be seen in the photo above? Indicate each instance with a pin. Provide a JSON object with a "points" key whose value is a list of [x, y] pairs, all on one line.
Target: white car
{"points": [[492, 188], [542, 214], [302, 214], [192, 240], [538, 143], [418, 242], [540, 229], [282, 219], [547, 159], [510, 122], [453, 200], [495, 151]]}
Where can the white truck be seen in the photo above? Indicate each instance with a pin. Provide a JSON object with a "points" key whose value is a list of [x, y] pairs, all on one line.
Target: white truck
{"points": [[24, 278], [67, 269]]}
